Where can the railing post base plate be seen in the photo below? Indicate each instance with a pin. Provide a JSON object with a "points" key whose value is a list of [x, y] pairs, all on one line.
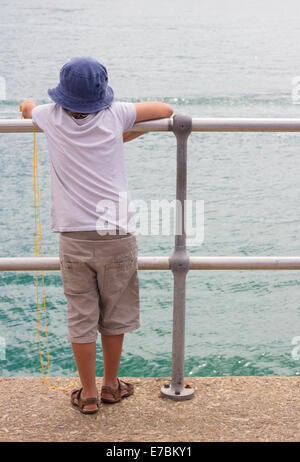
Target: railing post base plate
{"points": [[171, 393]]}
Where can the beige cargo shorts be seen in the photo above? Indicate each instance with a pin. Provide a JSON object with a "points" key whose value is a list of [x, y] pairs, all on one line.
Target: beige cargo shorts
{"points": [[100, 282]]}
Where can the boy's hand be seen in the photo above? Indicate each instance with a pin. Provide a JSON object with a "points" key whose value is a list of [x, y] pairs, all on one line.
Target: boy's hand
{"points": [[26, 108]]}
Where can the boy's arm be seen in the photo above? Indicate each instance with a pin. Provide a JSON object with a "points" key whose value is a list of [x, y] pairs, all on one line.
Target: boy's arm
{"points": [[149, 110], [26, 108], [128, 136]]}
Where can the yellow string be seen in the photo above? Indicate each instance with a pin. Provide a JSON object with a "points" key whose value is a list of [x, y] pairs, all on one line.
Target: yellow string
{"points": [[37, 211]]}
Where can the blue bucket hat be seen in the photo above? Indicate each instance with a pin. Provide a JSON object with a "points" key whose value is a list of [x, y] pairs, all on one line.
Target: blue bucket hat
{"points": [[83, 86]]}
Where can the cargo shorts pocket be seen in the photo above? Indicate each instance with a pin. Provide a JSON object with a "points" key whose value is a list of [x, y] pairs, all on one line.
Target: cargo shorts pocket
{"points": [[77, 277], [118, 273]]}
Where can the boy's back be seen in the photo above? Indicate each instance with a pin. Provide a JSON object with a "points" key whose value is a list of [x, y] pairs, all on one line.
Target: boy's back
{"points": [[89, 184]]}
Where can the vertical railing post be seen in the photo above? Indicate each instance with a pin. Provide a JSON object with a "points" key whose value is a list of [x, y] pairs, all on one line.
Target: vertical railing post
{"points": [[179, 265]]}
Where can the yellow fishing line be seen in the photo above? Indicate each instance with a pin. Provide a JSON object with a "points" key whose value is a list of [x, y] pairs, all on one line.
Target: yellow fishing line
{"points": [[37, 214]]}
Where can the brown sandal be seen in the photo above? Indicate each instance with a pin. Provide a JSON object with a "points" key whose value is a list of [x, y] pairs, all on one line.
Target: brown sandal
{"points": [[124, 389], [82, 402]]}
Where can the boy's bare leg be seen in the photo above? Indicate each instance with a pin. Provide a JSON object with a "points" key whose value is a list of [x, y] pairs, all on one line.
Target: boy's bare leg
{"points": [[112, 349], [85, 357]]}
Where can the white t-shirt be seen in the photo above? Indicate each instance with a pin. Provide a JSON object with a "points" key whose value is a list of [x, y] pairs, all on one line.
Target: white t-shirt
{"points": [[89, 189]]}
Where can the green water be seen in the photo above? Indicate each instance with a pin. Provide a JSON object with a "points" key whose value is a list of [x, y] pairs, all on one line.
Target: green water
{"points": [[217, 59]]}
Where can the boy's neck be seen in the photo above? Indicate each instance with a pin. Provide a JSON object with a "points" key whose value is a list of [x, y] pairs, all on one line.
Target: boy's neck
{"points": [[77, 115]]}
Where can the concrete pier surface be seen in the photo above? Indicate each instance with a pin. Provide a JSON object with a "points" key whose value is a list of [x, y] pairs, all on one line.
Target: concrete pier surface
{"points": [[223, 409]]}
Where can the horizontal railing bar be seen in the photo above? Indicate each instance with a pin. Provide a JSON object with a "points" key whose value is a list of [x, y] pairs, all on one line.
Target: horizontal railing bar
{"points": [[246, 124], [26, 126], [245, 263], [198, 125], [52, 263], [17, 126], [162, 263]]}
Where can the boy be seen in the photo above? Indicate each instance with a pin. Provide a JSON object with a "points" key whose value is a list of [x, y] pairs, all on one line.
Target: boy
{"points": [[85, 131]]}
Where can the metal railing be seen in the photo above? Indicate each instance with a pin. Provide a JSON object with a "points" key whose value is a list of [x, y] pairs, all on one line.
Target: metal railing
{"points": [[179, 262]]}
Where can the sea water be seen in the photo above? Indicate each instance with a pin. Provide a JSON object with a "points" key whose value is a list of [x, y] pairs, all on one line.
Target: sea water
{"points": [[206, 59]]}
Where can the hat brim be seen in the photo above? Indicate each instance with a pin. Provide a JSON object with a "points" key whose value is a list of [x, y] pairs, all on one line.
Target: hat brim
{"points": [[79, 105]]}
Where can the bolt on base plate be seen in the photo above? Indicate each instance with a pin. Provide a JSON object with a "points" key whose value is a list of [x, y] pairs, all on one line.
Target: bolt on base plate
{"points": [[185, 393]]}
